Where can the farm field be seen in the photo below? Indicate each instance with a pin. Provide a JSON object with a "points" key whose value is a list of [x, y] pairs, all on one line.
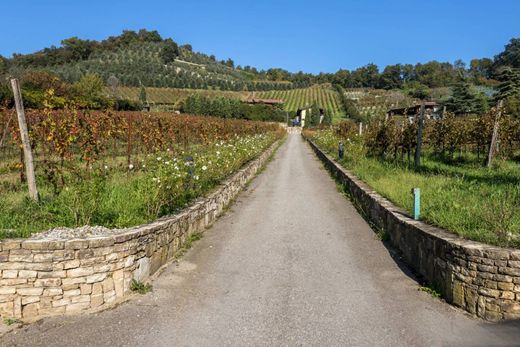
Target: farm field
{"points": [[323, 95], [169, 95], [376, 102], [119, 169], [458, 193]]}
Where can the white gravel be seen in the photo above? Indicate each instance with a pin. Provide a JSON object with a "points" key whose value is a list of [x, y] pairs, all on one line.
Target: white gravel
{"points": [[75, 233]]}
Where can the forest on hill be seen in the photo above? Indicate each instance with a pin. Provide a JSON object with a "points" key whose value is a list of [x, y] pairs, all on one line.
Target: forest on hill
{"points": [[83, 71]]}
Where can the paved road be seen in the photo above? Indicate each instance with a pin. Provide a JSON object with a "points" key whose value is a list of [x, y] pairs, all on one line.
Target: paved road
{"points": [[292, 264]]}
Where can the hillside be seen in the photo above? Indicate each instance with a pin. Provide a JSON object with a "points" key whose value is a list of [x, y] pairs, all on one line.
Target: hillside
{"points": [[323, 95], [142, 58]]}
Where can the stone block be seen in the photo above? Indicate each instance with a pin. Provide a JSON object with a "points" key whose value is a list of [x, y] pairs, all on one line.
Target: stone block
{"points": [[52, 274], [96, 300], [99, 260], [67, 254], [507, 295], [109, 296], [118, 277], [101, 242], [43, 257], [61, 302], [52, 291], [71, 264], [509, 271], [21, 255], [80, 298], [80, 271], [458, 294], [7, 290], [27, 274], [29, 291], [487, 268], [48, 282], [42, 245], [511, 307], [102, 268], [492, 293], [7, 309], [80, 306], [30, 299], [96, 278], [505, 286], [72, 292], [30, 310], [76, 244], [39, 266], [85, 289], [97, 288], [108, 285], [9, 273]]}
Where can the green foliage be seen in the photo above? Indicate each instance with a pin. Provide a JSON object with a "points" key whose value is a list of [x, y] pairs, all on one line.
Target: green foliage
{"points": [[140, 287], [465, 100], [169, 51], [430, 290], [230, 108], [509, 57], [11, 321], [349, 106]]}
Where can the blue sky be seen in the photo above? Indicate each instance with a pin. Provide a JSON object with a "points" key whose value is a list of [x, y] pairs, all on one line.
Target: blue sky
{"points": [[312, 36]]}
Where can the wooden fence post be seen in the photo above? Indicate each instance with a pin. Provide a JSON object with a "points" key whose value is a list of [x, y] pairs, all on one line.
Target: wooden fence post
{"points": [[26, 144], [418, 149], [494, 136]]}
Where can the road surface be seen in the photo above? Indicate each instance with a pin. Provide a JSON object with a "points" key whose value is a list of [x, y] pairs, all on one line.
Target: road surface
{"points": [[292, 264]]}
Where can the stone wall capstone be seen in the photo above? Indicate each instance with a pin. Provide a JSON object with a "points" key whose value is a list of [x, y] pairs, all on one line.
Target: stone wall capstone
{"points": [[44, 277], [482, 279]]}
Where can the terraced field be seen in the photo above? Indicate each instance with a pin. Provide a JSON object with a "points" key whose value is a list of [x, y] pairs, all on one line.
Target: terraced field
{"points": [[293, 99], [170, 95], [322, 95], [375, 102]]}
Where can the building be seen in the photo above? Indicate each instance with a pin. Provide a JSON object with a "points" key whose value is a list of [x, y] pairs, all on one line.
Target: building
{"points": [[432, 110]]}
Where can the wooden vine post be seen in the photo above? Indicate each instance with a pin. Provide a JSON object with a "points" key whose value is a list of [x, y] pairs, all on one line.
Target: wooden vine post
{"points": [[26, 144], [494, 136], [417, 161]]}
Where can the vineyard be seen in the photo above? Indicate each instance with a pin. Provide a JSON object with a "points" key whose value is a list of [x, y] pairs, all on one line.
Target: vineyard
{"points": [[323, 95], [171, 96], [459, 194], [118, 169], [376, 102]]}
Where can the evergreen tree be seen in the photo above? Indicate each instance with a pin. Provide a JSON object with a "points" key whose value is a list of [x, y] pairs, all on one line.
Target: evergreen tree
{"points": [[464, 100], [509, 90]]}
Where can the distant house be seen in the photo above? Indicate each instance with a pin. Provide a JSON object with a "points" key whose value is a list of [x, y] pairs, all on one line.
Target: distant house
{"points": [[303, 112], [431, 111]]}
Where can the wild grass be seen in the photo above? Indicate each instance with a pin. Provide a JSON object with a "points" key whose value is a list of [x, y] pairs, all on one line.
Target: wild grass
{"points": [[115, 198], [460, 195]]}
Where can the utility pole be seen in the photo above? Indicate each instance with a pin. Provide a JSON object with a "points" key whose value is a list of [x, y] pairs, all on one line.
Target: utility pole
{"points": [[494, 136], [417, 162], [26, 144]]}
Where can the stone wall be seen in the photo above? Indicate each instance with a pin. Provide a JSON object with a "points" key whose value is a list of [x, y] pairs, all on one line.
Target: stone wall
{"points": [[50, 277], [481, 279]]}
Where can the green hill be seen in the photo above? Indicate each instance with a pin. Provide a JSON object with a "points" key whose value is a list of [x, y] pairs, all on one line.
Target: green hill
{"points": [[141, 58]]}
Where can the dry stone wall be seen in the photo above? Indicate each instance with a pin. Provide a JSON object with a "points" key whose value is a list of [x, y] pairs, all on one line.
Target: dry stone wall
{"points": [[43, 277], [481, 279]]}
